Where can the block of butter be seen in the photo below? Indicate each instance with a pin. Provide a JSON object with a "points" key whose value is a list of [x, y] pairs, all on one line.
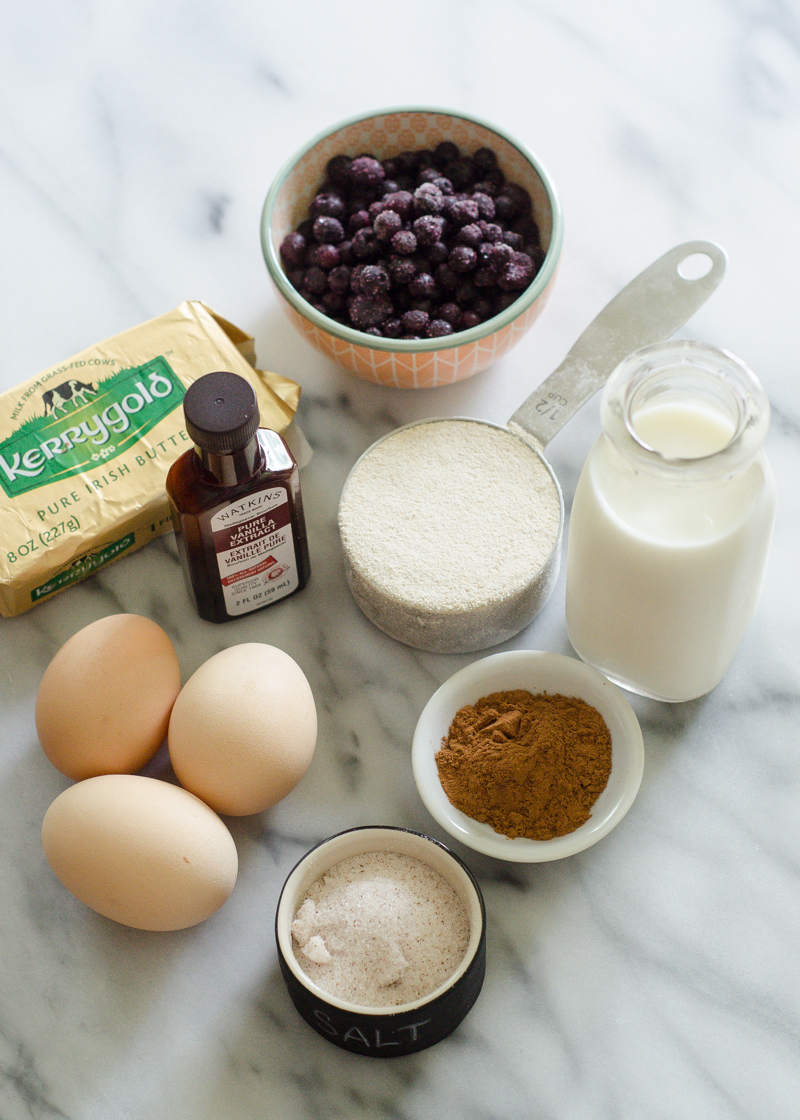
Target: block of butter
{"points": [[85, 447]]}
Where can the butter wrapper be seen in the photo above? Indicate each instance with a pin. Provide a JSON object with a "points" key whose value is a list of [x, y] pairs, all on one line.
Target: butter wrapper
{"points": [[85, 447]]}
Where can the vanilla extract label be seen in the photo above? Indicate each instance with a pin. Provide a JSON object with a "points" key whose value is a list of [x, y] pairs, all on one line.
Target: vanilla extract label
{"points": [[255, 550]]}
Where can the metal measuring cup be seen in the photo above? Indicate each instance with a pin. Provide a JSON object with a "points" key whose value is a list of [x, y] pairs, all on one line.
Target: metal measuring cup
{"points": [[649, 309]]}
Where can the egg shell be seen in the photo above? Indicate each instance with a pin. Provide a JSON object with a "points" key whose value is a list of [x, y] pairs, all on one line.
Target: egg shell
{"points": [[243, 729], [104, 702], [141, 851]]}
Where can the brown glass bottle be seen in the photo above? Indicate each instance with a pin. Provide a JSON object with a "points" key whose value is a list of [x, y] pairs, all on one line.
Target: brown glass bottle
{"points": [[236, 504]]}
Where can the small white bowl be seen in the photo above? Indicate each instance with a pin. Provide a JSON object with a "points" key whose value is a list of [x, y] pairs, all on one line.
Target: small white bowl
{"points": [[537, 672]]}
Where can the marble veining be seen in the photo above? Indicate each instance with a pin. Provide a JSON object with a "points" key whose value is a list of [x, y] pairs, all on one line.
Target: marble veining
{"points": [[652, 977]]}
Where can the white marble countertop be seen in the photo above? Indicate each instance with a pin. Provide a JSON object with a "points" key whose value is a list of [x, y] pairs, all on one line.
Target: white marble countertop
{"points": [[656, 975]]}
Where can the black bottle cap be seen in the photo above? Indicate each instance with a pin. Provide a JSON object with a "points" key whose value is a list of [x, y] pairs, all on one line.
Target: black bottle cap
{"points": [[221, 411]]}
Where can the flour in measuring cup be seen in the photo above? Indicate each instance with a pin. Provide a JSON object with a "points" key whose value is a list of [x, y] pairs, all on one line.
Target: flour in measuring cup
{"points": [[448, 517]]}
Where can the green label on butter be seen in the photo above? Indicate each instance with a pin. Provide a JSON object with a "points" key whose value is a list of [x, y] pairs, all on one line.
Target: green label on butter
{"points": [[83, 425], [84, 566]]}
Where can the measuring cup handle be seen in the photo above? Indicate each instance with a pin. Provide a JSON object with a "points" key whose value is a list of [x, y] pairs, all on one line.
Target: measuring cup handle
{"points": [[649, 309]]}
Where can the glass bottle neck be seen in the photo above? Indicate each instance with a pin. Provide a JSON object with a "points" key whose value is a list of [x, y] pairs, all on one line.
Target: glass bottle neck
{"points": [[684, 409], [238, 466]]}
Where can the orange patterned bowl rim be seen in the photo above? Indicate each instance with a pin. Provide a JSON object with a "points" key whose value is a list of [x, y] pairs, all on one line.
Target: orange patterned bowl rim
{"points": [[400, 345]]}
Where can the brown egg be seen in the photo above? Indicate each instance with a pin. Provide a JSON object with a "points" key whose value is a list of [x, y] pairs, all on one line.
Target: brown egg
{"points": [[105, 699], [244, 728], [141, 851]]}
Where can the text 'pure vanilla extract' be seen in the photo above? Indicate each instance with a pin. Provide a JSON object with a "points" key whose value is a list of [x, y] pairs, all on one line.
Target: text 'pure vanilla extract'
{"points": [[236, 504]]}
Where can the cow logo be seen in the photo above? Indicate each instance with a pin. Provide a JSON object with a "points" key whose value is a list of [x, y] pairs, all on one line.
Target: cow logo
{"points": [[72, 392], [82, 424]]}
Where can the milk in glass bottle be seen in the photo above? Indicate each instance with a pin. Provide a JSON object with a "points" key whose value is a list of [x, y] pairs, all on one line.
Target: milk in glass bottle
{"points": [[671, 522]]}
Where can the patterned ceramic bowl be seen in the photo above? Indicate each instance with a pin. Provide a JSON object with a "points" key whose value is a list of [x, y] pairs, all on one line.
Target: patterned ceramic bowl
{"points": [[410, 363]]}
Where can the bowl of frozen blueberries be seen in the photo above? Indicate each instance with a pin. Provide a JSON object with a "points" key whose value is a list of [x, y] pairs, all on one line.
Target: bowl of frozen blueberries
{"points": [[413, 246]]}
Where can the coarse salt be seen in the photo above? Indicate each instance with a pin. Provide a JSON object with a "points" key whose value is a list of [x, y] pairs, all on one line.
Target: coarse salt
{"points": [[380, 929]]}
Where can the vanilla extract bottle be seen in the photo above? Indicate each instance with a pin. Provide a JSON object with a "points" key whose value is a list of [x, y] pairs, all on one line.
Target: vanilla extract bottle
{"points": [[236, 504]]}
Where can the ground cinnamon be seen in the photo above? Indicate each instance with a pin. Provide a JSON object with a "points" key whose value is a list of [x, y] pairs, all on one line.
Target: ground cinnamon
{"points": [[527, 765]]}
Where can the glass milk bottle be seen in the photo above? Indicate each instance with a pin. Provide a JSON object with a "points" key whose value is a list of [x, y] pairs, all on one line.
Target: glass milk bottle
{"points": [[671, 522]]}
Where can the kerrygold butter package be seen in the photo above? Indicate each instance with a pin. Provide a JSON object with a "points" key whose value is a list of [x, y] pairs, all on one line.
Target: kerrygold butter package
{"points": [[85, 447]]}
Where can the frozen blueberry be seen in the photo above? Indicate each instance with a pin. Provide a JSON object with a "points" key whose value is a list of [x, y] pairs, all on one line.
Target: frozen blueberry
{"points": [[359, 202], [462, 259], [314, 281], [469, 319], [387, 224], [402, 202], [491, 231], [333, 301], [423, 286], [373, 280], [327, 230], [366, 311], [375, 209], [487, 187], [406, 163], [366, 174], [357, 220], [452, 313], [470, 235], [415, 322], [428, 229], [293, 249], [517, 273], [364, 244], [327, 203], [484, 160], [461, 173], [484, 308], [512, 202], [444, 185], [513, 239], [339, 278], [445, 152], [447, 278], [392, 328], [486, 209], [402, 300], [326, 256], [465, 295], [404, 242], [338, 170], [484, 277], [462, 211], [437, 253], [498, 255], [428, 199], [402, 269], [438, 328]]}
